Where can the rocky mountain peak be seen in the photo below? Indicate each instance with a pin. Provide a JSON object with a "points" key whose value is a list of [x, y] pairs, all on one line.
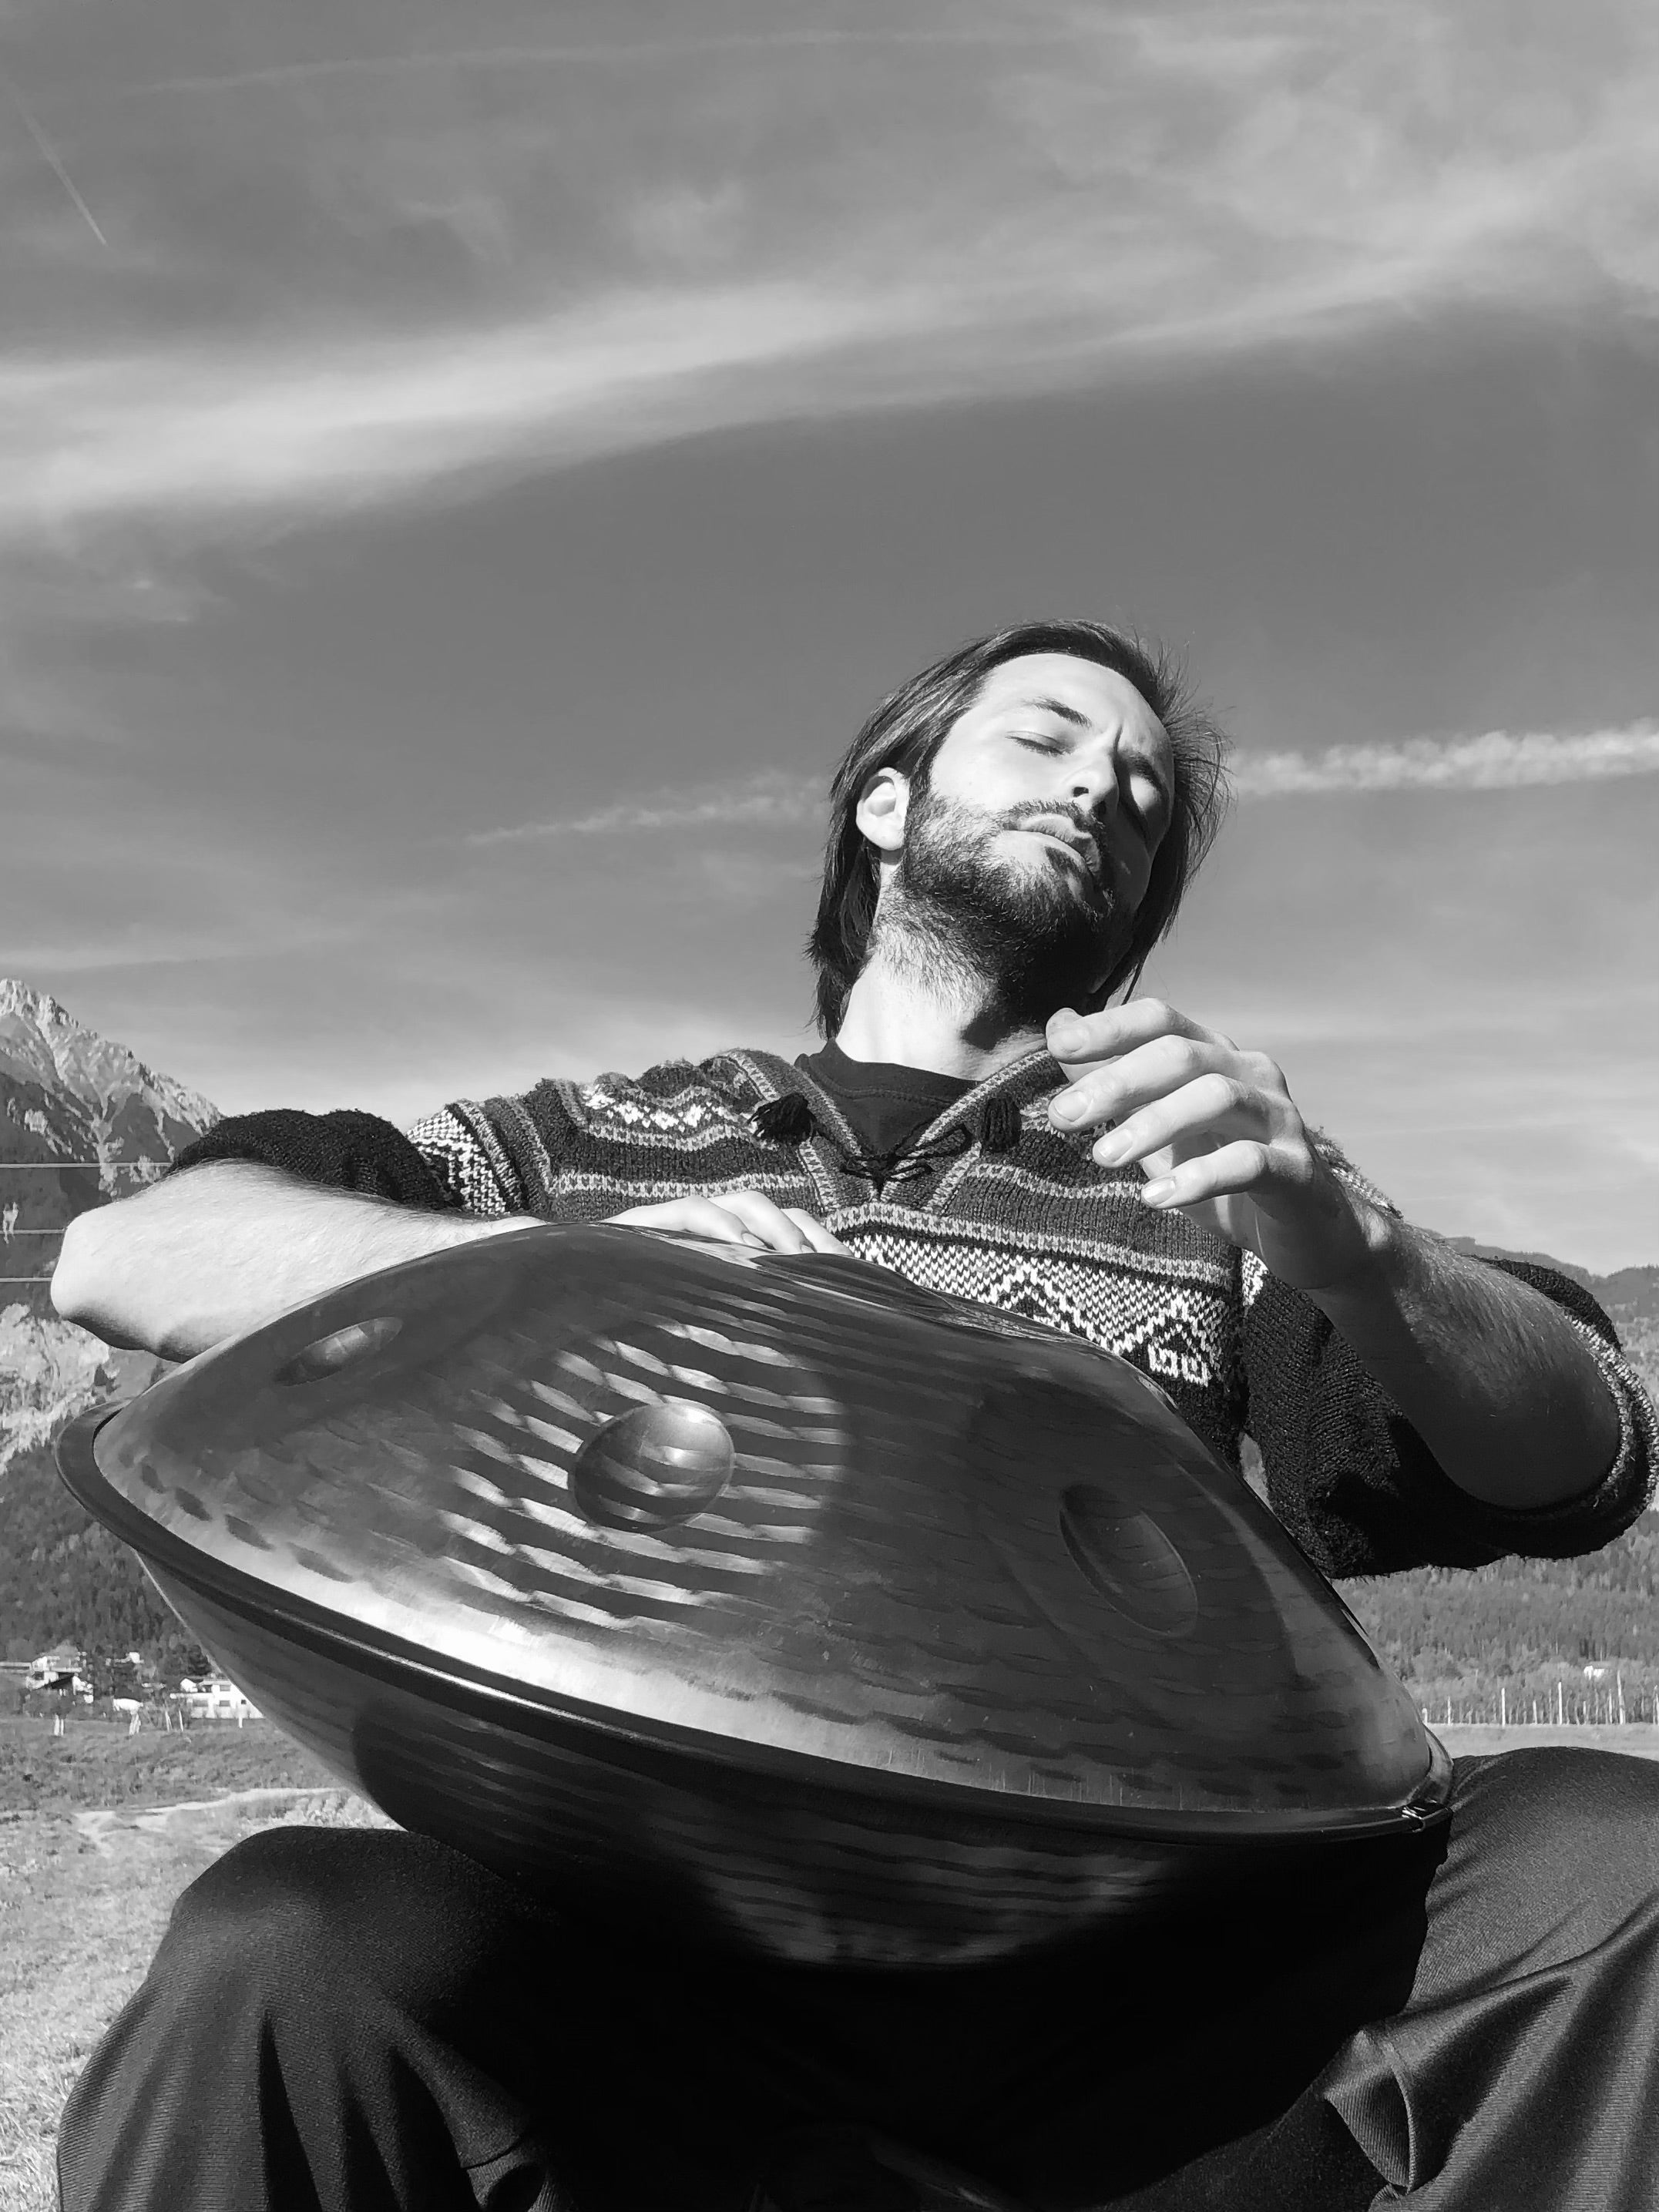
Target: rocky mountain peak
{"points": [[41, 1042], [82, 1119]]}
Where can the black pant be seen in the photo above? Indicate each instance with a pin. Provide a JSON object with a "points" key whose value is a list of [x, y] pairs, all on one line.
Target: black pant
{"points": [[364, 2020]]}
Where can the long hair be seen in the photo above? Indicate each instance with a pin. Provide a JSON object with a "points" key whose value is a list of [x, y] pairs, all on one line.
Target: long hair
{"points": [[908, 727]]}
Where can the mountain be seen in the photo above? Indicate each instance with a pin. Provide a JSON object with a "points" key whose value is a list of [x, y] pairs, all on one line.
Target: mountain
{"points": [[82, 1120]]}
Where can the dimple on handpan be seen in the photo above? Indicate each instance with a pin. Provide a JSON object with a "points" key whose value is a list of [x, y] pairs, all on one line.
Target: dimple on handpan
{"points": [[772, 1599]]}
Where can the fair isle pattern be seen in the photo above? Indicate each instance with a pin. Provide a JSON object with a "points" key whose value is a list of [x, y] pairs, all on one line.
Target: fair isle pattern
{"points": [[625, 1112], [1177, 1321], [463, 1163]]}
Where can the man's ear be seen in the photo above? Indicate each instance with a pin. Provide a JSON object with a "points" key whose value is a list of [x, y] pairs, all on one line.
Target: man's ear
{"points": [[882, 808]]}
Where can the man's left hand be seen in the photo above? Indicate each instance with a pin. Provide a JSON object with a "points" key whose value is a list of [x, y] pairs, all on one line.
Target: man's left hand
{"points": [[1217, 1133]]}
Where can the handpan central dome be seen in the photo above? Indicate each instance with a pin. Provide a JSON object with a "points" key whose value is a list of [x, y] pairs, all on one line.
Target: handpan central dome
{"points": [[817, 1612]]}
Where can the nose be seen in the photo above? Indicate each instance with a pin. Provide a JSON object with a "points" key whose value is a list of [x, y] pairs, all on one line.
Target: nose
{"points": [[1094, 789]]}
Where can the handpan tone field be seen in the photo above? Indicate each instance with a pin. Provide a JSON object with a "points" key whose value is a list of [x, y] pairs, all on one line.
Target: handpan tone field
{"points": [[774, 1599]]}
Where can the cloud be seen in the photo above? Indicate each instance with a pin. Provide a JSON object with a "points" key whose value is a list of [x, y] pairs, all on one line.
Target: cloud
{"points": [[1500, 761], [770, 799], [351, 278]]}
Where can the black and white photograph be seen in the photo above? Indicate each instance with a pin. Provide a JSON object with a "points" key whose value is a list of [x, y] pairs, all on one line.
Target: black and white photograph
{"points": [[828, 1106]]}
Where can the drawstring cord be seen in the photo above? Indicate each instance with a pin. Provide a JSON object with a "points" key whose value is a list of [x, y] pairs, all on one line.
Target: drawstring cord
{"points": [[790, 1120]]}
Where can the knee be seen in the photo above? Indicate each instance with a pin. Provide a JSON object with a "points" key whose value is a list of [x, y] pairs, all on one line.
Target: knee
{"points": [[269, 1908], [1556, 1812], [316, 1918]]}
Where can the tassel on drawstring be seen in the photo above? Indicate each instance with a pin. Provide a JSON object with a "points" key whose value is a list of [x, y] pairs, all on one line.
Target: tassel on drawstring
{"points": [[786, 1120], [999, 1126], [790, 1120]]}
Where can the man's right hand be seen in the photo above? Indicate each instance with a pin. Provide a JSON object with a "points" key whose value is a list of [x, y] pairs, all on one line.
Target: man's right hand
{"points": [[736, 1217]]}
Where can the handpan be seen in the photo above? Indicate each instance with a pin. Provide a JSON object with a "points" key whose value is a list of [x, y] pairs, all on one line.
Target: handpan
{"points": [[770, 1601]]}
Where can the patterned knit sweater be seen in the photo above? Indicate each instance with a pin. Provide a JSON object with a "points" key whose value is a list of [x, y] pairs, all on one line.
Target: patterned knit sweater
{"points": [[990, 1204]]}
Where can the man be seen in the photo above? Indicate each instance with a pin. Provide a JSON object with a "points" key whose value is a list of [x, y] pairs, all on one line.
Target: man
{"points": [[367, 2020]]}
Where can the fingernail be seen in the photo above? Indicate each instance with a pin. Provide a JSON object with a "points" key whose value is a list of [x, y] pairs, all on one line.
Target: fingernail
{"points": [[1159, 1193], [1111, 1151], [1068, 1037], [1067, 1107]]}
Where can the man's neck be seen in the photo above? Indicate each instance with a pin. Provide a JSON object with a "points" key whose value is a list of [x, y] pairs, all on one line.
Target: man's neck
{"points": [[897, 1016]]}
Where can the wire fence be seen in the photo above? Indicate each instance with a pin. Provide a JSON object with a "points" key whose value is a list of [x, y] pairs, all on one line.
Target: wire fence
{"points": [[11, 1229], [1596, 1704]]}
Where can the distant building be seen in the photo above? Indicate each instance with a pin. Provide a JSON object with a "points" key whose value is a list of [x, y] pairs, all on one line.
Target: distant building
{"points": [[65, 1668], [216, 1698]]}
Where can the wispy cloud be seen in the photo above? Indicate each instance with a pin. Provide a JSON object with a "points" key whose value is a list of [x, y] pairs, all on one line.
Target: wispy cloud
{"points": [[1501, 760], [768, 800], [337, 285]]}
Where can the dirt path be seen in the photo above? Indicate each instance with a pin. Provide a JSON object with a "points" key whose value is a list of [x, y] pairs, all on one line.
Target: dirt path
{"points": [[330, 1808]]}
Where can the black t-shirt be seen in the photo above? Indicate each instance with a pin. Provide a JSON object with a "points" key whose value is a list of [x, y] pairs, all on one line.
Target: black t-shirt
{"points": [[886, 1105]]}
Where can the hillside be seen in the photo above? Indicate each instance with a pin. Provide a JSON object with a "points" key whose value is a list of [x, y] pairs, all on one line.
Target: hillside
{"points": [[82, 1120], [48, 1370], [64, 1580]]}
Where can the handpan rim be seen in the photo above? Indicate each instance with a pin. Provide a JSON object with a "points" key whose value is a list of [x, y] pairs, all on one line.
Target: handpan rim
{"points": [[457, 1681]]}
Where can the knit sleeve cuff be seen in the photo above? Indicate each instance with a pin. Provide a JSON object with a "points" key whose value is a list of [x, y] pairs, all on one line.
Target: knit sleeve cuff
{"points": [[346, 1150], [460, 1150]]}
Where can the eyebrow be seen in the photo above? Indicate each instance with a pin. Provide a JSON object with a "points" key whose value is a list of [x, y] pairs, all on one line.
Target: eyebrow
{"points": [[1045, 705]]}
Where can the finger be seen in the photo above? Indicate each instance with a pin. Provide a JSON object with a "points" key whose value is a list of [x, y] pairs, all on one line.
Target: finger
{"points": [[690, 1217], [1149, 1071], [820, 1239], [766, 1221], [1074, 1038], [1244, 1167], [1198, 1115]]}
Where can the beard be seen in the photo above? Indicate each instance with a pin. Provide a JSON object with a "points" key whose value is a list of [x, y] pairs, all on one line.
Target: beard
{"points": [[1027, 938]]}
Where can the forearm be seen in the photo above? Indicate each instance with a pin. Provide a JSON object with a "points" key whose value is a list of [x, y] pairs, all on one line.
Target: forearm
{"points": [[219, 1250], [1493, 1377]]}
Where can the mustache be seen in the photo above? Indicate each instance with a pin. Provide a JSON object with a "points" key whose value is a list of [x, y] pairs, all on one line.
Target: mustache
{"points": [[1031, 810]]}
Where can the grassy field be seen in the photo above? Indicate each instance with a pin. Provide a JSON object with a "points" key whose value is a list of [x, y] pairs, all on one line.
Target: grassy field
{"points": [[96, 1762], [99, 1833], [1477, 1738]]}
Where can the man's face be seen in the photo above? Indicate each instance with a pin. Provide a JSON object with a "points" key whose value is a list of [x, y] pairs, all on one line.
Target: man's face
{"points": [[1032, 838], [1076, 767]]}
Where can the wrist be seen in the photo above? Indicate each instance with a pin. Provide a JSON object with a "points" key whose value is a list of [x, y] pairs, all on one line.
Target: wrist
{"points": [[1379, 1263]]}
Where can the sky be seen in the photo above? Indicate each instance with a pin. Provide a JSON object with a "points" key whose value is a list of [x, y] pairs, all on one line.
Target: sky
{"points": [[469, 471]]}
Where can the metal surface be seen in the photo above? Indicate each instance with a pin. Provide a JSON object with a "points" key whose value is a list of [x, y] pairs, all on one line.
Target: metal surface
{"points": [[809, 1610]]}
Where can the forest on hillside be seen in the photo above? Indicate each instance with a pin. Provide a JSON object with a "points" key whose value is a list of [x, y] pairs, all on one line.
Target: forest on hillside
{"points": [[65, 1580]]}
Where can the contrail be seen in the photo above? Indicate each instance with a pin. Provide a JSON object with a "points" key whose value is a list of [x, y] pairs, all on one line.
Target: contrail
{"points": [[48, 155], [601, 50]]}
